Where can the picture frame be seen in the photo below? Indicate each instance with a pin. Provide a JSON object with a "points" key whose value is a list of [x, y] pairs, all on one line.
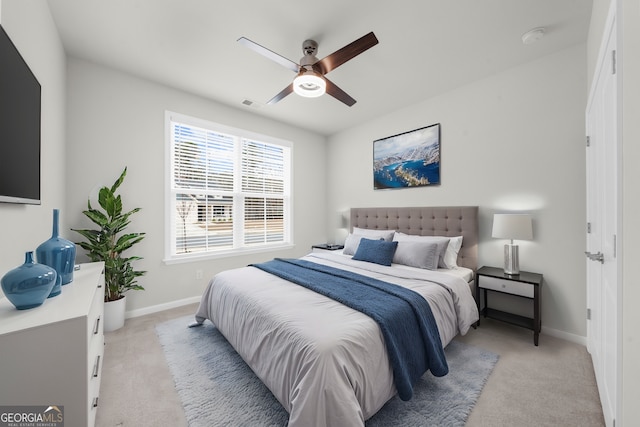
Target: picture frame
{"points": [[409, 159]]}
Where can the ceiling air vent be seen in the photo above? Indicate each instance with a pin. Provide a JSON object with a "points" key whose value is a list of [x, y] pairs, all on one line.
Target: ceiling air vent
{"points": [[250, 103]]}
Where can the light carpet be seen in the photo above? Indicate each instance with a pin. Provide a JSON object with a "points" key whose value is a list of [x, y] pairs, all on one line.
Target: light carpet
{"points": [[217, 388]]}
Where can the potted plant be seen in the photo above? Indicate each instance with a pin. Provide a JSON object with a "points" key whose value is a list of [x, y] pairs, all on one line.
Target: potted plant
{"points": [[107, 244]]}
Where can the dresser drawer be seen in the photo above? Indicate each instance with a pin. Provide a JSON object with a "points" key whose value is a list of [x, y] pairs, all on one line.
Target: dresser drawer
{"points": [[95, 350], [509, 286], [96, 355], [96, 311]]}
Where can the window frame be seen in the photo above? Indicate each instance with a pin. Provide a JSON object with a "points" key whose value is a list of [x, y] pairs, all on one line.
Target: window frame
{"points": [[170, 256]]}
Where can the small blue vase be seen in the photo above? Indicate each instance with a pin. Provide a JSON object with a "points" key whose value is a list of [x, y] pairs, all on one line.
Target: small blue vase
{"points": [[58, 253], [28, 285]]}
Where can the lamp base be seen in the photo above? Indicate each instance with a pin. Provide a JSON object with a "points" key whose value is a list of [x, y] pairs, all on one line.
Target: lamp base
{"points": [[511, 259]]}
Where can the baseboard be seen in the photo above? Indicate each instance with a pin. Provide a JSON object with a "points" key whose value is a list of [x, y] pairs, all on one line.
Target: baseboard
{"points": [[161, 307], [577, 339]]}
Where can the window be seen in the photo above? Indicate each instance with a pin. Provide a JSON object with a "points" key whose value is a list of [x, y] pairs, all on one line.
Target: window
{"points": [[228, 190]]}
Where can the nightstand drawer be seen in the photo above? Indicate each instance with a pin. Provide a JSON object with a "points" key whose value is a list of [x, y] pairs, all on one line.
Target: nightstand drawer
{"points": [[509, 286]]}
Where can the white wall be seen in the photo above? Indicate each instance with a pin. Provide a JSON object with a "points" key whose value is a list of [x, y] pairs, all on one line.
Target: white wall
{"points": [[630, 211], [514, 141], [24, 227], [117, 120], [630, 72]]}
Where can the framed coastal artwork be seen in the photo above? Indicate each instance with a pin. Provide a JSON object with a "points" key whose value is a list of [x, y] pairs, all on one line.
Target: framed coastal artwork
{"points": [[409, 159]]}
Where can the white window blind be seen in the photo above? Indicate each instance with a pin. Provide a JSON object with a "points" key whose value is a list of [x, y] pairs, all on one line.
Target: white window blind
{"points": [[229, 190]]}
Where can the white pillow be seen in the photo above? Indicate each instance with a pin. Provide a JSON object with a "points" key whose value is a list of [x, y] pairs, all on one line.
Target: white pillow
{"points": [[351, 244], [417, 254], [451, 254], [387, 235], [441, 241]]}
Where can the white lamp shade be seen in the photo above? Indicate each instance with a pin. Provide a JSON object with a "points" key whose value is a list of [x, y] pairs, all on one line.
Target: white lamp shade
{"points": [[512, 226]]}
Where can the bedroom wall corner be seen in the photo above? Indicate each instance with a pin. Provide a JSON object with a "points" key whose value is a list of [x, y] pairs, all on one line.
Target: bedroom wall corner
{"points": [[120, 118], [513, 141]]}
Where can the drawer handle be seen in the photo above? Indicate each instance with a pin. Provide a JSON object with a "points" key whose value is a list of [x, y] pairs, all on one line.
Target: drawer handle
{"points": [[504, 286], [96, 367], [96, 328], [102, 278], [94, 404]]}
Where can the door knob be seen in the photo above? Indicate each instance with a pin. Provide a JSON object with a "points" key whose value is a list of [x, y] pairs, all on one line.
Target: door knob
{"points": [[595, 257]]}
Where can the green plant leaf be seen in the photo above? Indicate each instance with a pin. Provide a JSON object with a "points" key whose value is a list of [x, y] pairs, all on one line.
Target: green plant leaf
{"points": [[127, 240], [107, 243], [119, 180]]}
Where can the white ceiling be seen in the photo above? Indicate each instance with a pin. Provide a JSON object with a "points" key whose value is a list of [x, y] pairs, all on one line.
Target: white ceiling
{"points": [[427, 47]]}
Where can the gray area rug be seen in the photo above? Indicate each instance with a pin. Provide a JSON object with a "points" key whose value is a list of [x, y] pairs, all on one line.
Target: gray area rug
{"points": [[217, 388]]}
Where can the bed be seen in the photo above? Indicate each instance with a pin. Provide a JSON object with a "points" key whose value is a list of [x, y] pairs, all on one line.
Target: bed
{"points": [[326, 363]]}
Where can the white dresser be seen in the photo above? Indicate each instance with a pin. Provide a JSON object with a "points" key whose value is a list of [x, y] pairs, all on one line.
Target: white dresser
{"points": [[52, 354]]}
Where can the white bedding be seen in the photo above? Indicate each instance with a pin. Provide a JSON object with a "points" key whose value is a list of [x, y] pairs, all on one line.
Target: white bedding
{"points": [[465, 273], [326, 363]]}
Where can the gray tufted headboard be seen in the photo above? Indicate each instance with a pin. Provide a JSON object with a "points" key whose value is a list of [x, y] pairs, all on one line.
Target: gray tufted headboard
{"points": [[426, 221]]}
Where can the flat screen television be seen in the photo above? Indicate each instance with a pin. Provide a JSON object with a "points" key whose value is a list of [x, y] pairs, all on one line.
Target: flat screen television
{"points": [[19, 127]]}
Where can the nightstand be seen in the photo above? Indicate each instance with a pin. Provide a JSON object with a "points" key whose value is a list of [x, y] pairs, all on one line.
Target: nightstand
{"points": [[524, 285], [326, 247]]}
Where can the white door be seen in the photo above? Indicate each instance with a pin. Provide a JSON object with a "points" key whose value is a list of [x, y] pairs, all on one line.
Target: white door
{"points": [[602, 211]]}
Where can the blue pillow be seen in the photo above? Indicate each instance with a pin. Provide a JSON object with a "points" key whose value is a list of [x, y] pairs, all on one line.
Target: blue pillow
{"points": [[376, 251]]}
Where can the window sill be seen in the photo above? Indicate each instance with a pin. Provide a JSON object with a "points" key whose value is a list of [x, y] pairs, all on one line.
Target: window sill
{"points": [[224, 254]]}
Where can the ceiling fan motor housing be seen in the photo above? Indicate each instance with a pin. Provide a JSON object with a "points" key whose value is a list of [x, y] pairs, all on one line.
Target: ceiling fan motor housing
{"points": [[309, 48]]}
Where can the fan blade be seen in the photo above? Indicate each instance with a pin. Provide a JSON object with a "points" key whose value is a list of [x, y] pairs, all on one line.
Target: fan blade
{"points": [[284, 92], [348, 52], [338, 93], [287, 63]]}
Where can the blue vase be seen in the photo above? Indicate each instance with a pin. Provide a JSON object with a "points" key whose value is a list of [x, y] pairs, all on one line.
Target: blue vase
{"points": [[28, 285], [58, 253]]}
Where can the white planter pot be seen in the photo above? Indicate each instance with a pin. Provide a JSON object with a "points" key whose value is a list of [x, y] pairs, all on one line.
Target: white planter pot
{"points": [[114, 314]]}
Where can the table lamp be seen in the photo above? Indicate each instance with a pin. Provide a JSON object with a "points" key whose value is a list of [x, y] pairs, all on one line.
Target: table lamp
{"points": [[512, 227]]}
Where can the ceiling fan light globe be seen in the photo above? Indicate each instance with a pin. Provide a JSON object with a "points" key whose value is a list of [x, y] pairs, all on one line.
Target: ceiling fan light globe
{"points": [[309, 85]]}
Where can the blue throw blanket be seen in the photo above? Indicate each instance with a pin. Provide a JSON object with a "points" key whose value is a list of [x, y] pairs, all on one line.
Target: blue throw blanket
{"points": [[404, 316]]}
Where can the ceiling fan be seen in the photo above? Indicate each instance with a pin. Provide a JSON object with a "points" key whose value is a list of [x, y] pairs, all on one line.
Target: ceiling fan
{"points": [[311, 81]]}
